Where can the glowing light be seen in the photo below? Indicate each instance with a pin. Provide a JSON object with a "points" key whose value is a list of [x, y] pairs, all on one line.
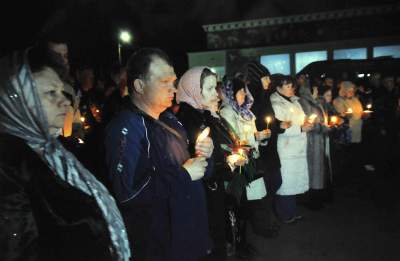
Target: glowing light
{"points": [[125, 37]]}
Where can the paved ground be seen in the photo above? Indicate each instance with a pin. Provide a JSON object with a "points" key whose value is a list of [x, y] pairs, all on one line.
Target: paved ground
{"points": [[363, 223]]}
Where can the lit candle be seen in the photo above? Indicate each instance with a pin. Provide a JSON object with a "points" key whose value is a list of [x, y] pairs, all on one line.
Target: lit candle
{"points": [[368, 110], [349, 111], [202, 136], [334, 120], [83, 119], [80, 141], [268, 120]]}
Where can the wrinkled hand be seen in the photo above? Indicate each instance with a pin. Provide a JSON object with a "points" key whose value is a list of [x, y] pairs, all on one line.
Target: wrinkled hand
{"points": [[306, 127], [205, 147], [195, 167], [236, 160], [286, 125], [262, 135]]}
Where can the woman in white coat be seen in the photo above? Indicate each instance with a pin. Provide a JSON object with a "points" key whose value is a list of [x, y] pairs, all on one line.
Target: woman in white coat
{"points": [[292, 147]]}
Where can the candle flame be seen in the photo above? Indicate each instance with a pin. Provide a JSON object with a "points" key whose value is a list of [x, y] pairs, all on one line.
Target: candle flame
{"points": [[334, 119], [349, 110], [268, 119], [83, 119], [369, 106], [80, 141]]}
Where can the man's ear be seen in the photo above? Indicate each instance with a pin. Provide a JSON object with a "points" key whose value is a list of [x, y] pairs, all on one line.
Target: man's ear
{"points": [[138, 86]]}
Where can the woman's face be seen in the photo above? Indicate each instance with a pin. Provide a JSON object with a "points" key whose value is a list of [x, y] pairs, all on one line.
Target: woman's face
{"points": [[209, 93], [240, 97], [350, 93], [266, 81], [328, 96], [51, 93], [286, 90]]}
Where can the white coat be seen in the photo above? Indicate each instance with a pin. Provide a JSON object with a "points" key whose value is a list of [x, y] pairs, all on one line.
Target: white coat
{"points": [[292, 146]]}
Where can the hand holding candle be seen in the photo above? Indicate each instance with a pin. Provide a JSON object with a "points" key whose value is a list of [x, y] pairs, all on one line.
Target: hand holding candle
{"points": [[204, 144], [312, 118], [334, 121]]}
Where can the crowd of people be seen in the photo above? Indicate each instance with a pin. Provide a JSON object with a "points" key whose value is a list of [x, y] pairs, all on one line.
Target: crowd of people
{"points": [[152, 167]]}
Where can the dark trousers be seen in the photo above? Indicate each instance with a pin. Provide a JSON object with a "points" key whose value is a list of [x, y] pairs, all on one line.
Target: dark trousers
{"points": [[273, 181], [286, 207]]}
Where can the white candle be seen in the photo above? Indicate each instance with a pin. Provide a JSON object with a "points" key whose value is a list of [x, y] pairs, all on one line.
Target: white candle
{"points": [[204, 134]]}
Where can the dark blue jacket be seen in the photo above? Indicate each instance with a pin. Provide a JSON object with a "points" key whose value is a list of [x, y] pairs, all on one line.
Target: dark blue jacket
{"points": [[164, 210]]}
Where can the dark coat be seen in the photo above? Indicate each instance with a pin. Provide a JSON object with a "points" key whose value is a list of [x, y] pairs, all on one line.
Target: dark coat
{"points": [[43, 217], [164, 210], [269, 157], [194, 122]]}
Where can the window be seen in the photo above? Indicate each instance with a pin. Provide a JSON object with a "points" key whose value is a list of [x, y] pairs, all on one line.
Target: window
{"points": [[392, 50], [355, 53], [305, 58], [277, 63]]}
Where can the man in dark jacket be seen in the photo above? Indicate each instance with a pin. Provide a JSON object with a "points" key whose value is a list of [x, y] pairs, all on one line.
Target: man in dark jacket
{"points": [[156, 183]]}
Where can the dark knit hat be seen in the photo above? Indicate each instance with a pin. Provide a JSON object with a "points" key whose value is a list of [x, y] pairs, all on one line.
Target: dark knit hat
{"points": [[254, 71]]}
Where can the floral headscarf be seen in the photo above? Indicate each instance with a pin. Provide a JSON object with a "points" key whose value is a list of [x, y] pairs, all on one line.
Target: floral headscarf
{"points": [[228, 97]]}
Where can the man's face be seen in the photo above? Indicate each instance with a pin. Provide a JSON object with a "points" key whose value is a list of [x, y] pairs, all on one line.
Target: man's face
{"points": [[62, 50], [159, 88]]}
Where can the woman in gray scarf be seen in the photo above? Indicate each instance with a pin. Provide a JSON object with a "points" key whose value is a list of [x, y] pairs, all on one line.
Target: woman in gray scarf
{"points": [[51, 207]]}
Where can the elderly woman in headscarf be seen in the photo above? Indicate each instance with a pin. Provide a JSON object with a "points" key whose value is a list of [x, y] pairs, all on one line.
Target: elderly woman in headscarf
{"points": [[51, 207], [349, 107], [198, 109], [236, 111], [292, 147]]}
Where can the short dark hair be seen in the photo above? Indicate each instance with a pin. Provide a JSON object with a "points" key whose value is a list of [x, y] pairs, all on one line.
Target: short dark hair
{"points": [[278, 80], [40, 56], [205, 73], [139, 64]]}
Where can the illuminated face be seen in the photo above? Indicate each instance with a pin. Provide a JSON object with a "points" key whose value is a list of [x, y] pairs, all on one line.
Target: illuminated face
{"points": [[266, 81], [159, 89], [209, 93], [51, 93], [286, 90], [240, 97]]}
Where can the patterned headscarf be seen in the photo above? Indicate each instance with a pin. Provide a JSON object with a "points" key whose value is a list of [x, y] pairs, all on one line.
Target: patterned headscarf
{"points": [[189, 89], [228, 97], [22, 115]]}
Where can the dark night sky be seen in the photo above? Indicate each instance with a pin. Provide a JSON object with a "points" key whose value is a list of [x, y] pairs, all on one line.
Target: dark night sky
{"points": [[175, 26]]}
